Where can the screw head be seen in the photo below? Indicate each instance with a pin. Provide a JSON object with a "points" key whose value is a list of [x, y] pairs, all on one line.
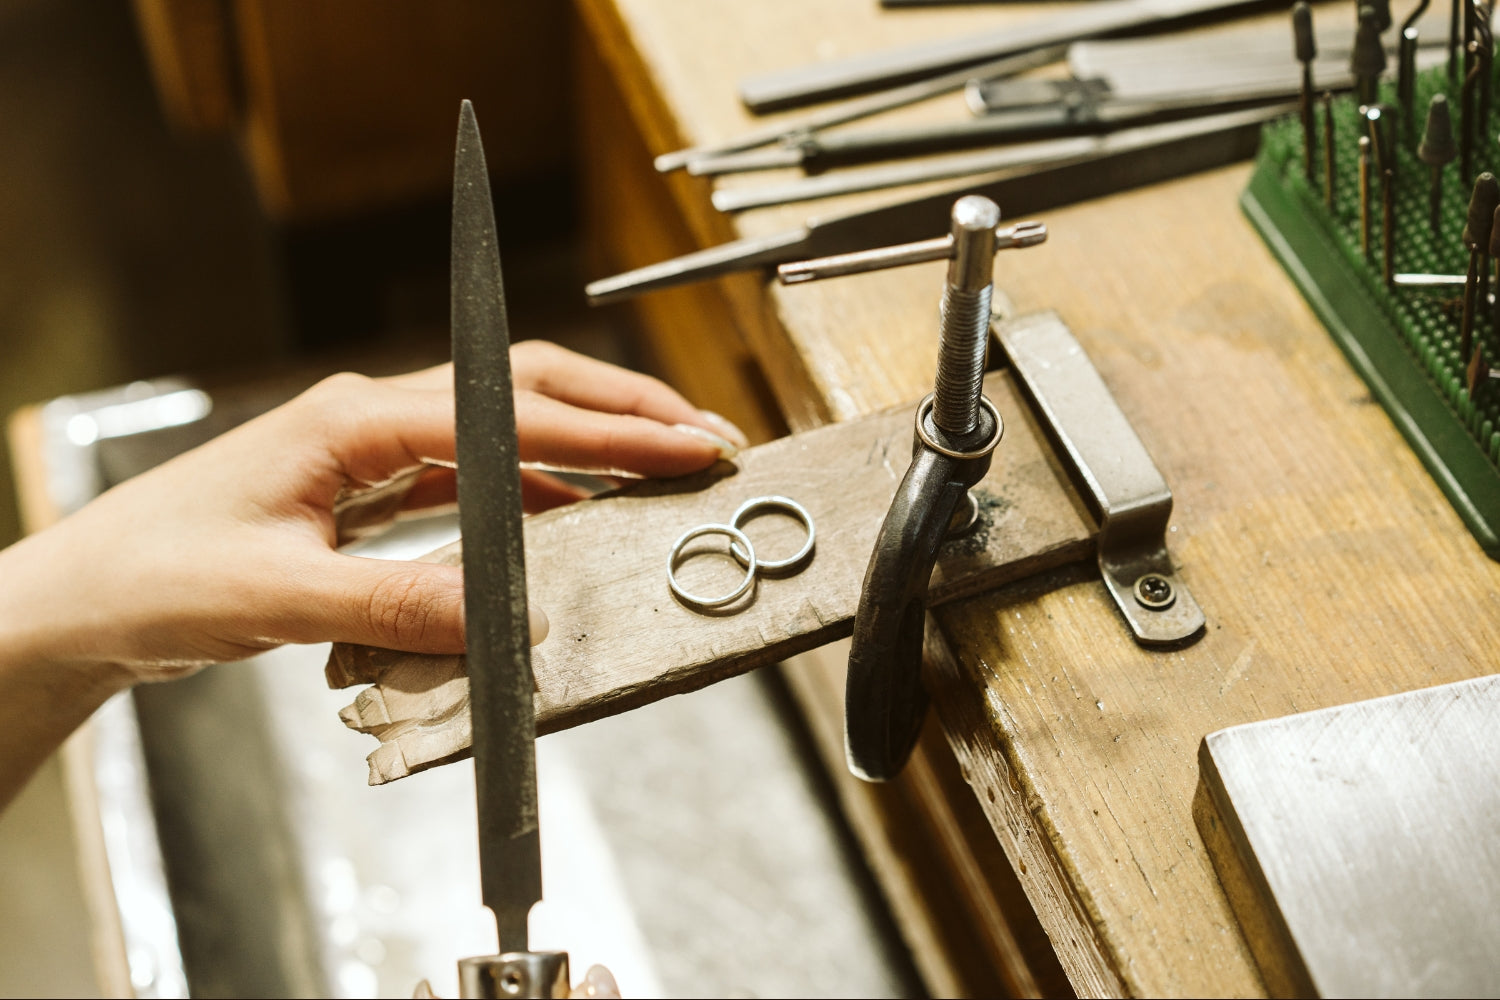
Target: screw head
{"points": [[1155, 592]]}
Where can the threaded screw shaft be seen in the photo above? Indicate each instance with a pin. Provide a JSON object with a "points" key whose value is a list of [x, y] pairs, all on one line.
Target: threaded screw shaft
{"points": [[965, 316]]}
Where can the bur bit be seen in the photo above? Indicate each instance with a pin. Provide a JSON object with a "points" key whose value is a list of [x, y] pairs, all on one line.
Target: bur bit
{"points": [[1476, 236], [1364, 195], [1466, 117], [1454, 21], [1495, 256], [1380, 122], [1406, 66], [1388, 227], [1479, 371], [1485, 40], [1307, 51], [1367, 62], [1328, 157], [1437, 150]]}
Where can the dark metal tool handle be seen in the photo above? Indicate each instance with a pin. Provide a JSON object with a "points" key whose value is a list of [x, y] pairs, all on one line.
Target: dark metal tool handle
{"points": [[884, 701]]}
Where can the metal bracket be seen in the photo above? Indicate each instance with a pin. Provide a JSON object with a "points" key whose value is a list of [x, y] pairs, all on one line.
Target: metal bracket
{"points": [[1119, 480]]}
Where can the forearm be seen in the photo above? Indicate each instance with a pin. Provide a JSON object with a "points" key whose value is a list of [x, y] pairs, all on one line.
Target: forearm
{"points": [[44, 693]]}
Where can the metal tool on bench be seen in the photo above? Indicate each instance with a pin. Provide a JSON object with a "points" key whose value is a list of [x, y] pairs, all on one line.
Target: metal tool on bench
{"points": [[1082, 116], [1022, 158], [1114, 473], [862, 107], [873, 70], [956, 432], [1172, 151], [495, 606], [957, 429]]}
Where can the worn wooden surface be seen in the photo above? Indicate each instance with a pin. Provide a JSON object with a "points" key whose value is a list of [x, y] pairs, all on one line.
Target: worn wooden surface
{"points": [[599, 570], [1329, 565]]}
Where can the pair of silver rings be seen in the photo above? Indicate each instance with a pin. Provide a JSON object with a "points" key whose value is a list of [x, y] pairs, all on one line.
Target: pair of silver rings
{"points": [[741, 549]]}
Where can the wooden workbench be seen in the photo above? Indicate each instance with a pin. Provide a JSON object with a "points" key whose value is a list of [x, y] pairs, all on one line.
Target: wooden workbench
{"points": [[1329, 565]]}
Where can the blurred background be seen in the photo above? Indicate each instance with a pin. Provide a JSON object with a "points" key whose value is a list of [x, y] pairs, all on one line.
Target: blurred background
{"points": [[255, 193], [225, 187]]}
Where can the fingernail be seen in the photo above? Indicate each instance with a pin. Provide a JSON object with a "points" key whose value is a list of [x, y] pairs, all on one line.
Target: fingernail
{"points": [[726, 429], [599, 983], [727, 449], [536, 620]]}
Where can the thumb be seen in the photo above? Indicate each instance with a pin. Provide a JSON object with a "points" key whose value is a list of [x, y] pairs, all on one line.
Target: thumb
{"points": [[411, 606], [416, 607]]}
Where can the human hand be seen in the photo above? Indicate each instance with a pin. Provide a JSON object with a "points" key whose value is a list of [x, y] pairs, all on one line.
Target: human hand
{"points": [[229, 549], [578, 414]]}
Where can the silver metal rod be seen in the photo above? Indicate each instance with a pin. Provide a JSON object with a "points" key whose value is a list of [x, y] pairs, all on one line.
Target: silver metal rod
{"points": [[906, 216], [801, 271], [1439, 281], [992, 130], [867, 71], [726, 258], [1388, 227], [864, 107], [1016, 235], [1026, 156], [965, 316], [1364, 195]]}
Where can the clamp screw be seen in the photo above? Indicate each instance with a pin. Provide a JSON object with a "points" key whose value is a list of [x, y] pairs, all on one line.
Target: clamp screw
{"points": [[1154, 591]]}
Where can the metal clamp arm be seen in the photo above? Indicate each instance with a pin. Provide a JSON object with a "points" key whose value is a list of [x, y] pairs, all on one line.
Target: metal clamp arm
{"points": [[884, 701]]}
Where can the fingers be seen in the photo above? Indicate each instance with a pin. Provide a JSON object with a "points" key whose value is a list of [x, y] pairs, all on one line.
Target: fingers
{"points": [[574, 437], [598, 982], [375, 429], [537, 622], [571, 411], [597, 385]]}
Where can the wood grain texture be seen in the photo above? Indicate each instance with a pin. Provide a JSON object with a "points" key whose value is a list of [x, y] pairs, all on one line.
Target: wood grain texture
{"points": [[599, 570], [1329, 565]]}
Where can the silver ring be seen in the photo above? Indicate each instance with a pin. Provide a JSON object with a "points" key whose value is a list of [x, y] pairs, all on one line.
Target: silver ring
{"points": [[773, 503], [736, 536], [925, 407]]}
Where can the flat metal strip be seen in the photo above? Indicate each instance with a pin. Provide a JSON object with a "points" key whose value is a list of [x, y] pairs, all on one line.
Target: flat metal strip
{"points": [[1120, 481]]}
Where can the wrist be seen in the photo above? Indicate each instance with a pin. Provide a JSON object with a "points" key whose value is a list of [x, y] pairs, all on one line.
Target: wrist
{"points": [[43, 642], [45, 694]]}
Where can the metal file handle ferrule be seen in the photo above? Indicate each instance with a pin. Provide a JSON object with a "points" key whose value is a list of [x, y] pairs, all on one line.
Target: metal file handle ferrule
{"points": [[956, 432], [515, 974]]}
